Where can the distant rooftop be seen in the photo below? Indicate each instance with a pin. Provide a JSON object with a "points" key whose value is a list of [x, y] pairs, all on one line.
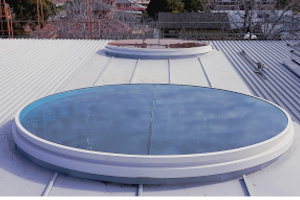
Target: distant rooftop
{"points": [[56, 2], [192, 20]]}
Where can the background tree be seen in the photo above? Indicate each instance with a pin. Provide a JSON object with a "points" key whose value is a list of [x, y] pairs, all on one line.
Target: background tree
{"points": [[156, 6], [176, 5], [106, 21], [75, 24], [283, 22], [194, 5], [263, 19], [293, 5], [25, 10]]}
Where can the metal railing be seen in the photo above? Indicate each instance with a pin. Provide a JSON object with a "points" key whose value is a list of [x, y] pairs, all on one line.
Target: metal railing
{"points": [[133, 30]]}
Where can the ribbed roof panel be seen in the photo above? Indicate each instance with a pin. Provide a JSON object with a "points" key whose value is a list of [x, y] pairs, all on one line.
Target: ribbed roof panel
{"points": [[280, 86], [31, 69]]}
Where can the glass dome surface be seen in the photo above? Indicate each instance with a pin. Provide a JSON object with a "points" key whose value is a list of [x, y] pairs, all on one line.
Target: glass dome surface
{"points": [[153, 120]]}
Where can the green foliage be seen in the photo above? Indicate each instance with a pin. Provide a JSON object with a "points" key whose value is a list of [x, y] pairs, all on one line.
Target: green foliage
{"points": [[288, 4], [25, 10], [194, 5], [156, 6], [176, 5]]}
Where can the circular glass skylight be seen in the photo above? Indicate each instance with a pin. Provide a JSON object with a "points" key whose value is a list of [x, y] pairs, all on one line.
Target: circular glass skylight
{"points": [[152, 133], [157, 48]]}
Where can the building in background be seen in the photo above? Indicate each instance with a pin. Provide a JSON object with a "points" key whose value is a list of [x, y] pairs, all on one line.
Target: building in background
{"points": [[239, 4], [192, 24]]}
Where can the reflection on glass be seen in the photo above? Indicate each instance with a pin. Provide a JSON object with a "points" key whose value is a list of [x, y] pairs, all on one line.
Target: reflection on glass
{"points": [[153, 119]]}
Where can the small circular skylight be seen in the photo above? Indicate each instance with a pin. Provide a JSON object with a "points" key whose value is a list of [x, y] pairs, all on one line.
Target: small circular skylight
{"points": [[152, 134], [157, 48]]}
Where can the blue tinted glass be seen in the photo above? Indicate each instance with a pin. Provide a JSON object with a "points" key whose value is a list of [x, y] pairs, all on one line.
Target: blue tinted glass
{"points": [[110, 119], [153, 119], [197, 120]]}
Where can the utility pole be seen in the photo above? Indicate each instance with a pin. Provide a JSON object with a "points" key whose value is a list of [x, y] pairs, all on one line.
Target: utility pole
{"points": [[6, 19], [40, 13], [89, 15]]}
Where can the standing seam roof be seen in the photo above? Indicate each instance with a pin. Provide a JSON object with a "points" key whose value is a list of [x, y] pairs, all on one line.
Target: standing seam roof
{"points": [[47, 73], [281, 86], [31, 69]]}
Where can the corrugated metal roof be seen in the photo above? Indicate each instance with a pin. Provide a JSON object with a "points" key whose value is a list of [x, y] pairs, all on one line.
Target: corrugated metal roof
{"points": [[31, 69], [281, 86]]}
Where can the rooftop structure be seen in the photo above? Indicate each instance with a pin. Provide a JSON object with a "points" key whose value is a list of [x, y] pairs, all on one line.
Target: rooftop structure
{"points": [[239, 4], [32, 69], [180, 24], [130, 5], [192, 20]]}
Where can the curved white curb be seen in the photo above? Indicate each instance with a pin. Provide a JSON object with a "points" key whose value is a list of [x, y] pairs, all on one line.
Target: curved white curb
{"points": [[136, 52], [152, 168]]}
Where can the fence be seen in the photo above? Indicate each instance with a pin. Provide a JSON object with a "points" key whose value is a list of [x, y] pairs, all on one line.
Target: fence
{"points": [[113, 29]]}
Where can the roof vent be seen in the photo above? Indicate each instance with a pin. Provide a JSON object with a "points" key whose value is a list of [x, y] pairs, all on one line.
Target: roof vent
{"points": [[157, 48]]}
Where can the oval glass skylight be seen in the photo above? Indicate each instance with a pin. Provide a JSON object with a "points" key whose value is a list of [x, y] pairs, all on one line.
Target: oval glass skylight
{"points": [[157, 48], [134, 127]]}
